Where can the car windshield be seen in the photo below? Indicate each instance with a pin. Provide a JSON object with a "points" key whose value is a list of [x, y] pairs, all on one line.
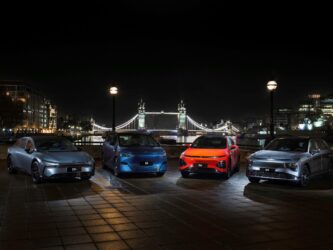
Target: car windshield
{"points": [[289, 145], [210, 142], [54, 144], [137, 140]]}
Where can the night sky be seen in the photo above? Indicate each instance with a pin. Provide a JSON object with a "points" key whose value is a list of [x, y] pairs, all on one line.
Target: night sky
{"points": [[217, 58]]}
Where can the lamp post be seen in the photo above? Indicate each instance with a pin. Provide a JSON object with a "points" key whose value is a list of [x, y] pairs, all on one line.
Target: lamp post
{"points": [[271, 86], [113, 92]]}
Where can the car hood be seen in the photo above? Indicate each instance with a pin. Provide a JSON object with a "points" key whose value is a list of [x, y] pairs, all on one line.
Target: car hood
{"points": [[205, 152], [143, 150], [278, 155], [66, 157]]}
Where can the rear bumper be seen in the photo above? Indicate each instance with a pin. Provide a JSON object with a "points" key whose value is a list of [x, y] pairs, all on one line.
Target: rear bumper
{"points": [[54, 172]]}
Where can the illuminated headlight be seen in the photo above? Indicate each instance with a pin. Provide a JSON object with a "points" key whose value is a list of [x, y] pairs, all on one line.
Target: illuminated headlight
{"points": [[291, 165], [221, 164], [126, 155], [51, 164]]}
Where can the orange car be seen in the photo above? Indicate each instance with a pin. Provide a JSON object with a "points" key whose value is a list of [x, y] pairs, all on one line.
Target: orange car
{"points": [[213, 154]]}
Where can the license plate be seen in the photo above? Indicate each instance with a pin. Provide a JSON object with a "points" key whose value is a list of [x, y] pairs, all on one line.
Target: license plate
{"points": [[73, 169], [201, 165]]}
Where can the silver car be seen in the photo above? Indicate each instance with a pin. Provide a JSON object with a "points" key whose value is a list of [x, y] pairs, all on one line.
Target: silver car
{"points": [[46, 157], [295, 159]]}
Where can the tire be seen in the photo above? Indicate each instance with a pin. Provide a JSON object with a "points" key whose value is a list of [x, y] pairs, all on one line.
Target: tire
{"points": [[254, 180], [305, 177], [185, 174], [10, 167], [160, 174], [35, 175]]}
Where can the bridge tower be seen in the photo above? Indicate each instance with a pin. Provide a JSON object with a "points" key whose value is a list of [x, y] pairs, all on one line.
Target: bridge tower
{"points": [[141, 115], [182, 128]]}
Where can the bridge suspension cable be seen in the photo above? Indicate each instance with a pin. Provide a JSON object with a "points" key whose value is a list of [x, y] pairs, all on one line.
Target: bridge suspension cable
{"points": [[121, 126]]}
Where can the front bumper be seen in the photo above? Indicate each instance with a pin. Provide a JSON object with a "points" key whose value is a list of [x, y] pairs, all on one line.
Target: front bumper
{"points": [[69, 171], [210, 166], [272, 174], [156, 167]]}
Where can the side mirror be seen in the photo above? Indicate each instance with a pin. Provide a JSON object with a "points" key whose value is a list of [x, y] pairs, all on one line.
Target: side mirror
{"points": [[232, 147], [315, 151], [188, 145]]}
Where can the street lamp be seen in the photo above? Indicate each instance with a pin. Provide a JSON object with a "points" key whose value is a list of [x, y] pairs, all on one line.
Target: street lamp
{"points": [[113, 92], [271, 86]]}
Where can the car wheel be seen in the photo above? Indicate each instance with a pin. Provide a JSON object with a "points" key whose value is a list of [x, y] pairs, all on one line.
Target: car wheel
{"points": [[160, 174], [254, 180], [36, 178], [305, 177], [10, 166], [185, 174]]}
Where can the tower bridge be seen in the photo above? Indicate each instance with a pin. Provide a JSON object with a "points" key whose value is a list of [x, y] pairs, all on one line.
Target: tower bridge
{"points": [[176, 122]]}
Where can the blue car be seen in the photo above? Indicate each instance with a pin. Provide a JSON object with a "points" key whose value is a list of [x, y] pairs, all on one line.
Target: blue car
{"points": [[134, 152]]}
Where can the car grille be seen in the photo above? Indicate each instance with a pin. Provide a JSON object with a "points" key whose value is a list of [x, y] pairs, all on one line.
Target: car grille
{"points": [[267, 164], [203, 170], [265, 174]]}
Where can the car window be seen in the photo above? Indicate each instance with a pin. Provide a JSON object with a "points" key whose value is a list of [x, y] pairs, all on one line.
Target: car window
{"points": [[112, 139], [29, 145], [21, 142], [313, 145], [56, 144], [288, 145], [323, 145], [210, 142], [137, 140]]}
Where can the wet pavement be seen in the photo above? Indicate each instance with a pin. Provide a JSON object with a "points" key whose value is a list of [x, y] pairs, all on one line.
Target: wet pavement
{"points": [[148, 212]]}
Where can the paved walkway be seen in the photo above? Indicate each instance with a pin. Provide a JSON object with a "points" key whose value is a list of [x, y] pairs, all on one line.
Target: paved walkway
{"points": [[148, 212]]}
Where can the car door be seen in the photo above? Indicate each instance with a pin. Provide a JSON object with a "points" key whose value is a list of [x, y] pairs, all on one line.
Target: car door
{"points": [[315, 160], [325, 152], [233, 151], [28, 154], [20, 153], [109, 150]]}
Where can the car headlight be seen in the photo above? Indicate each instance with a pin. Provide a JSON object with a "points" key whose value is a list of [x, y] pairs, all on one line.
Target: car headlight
{"points": [[51, 164], [163, 153], [291, 165], [126, 155]]}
